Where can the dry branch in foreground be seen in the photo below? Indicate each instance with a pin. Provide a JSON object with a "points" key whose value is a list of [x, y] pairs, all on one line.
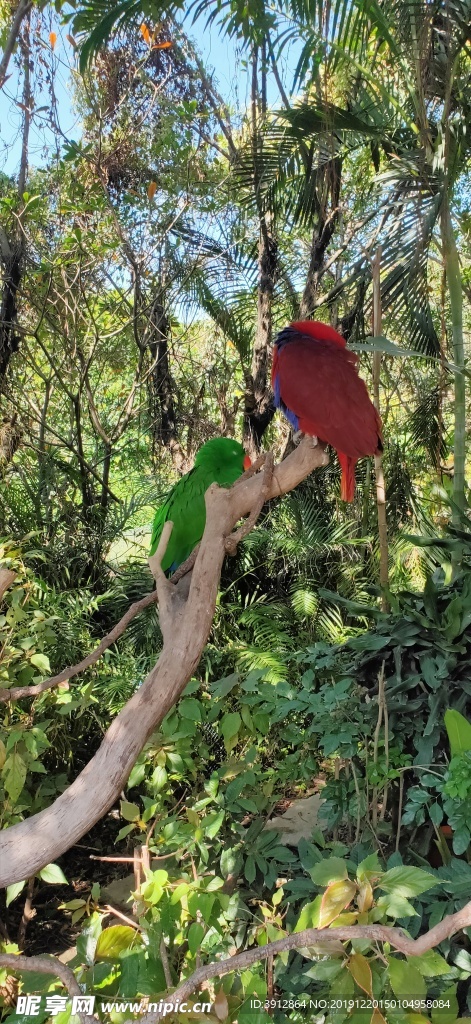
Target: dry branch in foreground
{"points": [[299, 940], [395, 937], [186, 613]]}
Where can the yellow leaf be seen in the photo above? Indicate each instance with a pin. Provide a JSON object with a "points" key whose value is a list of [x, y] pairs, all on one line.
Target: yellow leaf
{"points": [[377, 1017], [145, 34], [162, 46], [152, 189], [220, 1005], [365, 897], [360, 971], [52, 39], [337, 896]]}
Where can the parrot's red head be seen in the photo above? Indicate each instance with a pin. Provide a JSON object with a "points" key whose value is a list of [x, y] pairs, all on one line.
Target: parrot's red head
{"points": [[247, 462], [317, 330]]}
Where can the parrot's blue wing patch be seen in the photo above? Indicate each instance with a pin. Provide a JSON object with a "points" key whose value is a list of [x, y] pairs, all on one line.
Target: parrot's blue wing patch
{"points": [[290, 416]]}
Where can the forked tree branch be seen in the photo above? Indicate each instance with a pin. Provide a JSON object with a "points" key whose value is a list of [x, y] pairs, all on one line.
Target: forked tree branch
{"points": [[29, 845]]}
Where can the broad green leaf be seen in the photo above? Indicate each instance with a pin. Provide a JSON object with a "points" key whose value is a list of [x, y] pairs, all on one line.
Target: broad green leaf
{"points": [[15, 775], [250, 869], [195, 936], [230, 725], [190, 708], [309, 916], [407, 881], [430, 964], [41, 662], [114, 940], [406, 981], [180, 891], [13, 891], [337, 896], [459, 731], [332, 870], [212, 824], [53, 874], [130, 812], [396, 906], [449, 1013]]}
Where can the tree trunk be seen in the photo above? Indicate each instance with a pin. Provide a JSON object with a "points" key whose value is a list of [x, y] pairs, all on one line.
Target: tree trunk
{"points": [[455, 295], [321, 237], [161, 393], [259, 405]]}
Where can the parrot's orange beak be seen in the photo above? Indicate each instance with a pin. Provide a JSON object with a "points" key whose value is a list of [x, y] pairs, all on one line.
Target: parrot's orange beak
{"points": [[247, 462]]}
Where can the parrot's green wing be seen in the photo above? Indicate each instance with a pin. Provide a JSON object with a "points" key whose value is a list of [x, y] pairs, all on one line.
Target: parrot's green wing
{"points": [[184, 507], [221, 461]]}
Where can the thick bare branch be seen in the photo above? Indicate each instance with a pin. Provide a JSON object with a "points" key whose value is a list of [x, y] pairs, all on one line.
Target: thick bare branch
{"points": [[29, 845]]}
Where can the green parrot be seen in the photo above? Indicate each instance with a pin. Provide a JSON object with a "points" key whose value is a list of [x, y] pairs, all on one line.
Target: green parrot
{"points": [[220, 461]]}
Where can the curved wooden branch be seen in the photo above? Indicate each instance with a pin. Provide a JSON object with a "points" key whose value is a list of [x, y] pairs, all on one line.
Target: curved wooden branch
{"points": [[7, 576], [395, 937], [47, 965], [298, 940], [17, 692], [29, 845]]}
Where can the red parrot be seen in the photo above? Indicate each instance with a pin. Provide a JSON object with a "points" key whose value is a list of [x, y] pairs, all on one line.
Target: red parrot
{"points": [[316, 385]]}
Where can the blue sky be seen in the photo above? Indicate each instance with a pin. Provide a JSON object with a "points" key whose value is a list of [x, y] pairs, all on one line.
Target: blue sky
{"points": [[218, 52]]}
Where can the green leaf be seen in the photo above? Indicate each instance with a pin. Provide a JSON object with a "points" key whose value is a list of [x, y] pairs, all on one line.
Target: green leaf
{"points": [[332, 870], [130, 812], [459, 732], [406, 981], [382, 344], [13, 891], [407, 881], [446, 1014], [430, 964], [14, 776], [41, 662], [114, 940], [159, 779], [230, 725], [195, 937], [250, 869], [190, 708], [212, 824], [396, 906], [436, 814], [53, 874], [309, 916]]}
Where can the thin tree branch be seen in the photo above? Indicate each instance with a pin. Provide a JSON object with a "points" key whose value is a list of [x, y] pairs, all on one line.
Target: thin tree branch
{"points": [[18, 692], [21, 12]]}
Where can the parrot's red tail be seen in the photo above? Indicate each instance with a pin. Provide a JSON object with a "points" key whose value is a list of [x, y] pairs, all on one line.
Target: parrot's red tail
{"points": [[347, 487]]}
